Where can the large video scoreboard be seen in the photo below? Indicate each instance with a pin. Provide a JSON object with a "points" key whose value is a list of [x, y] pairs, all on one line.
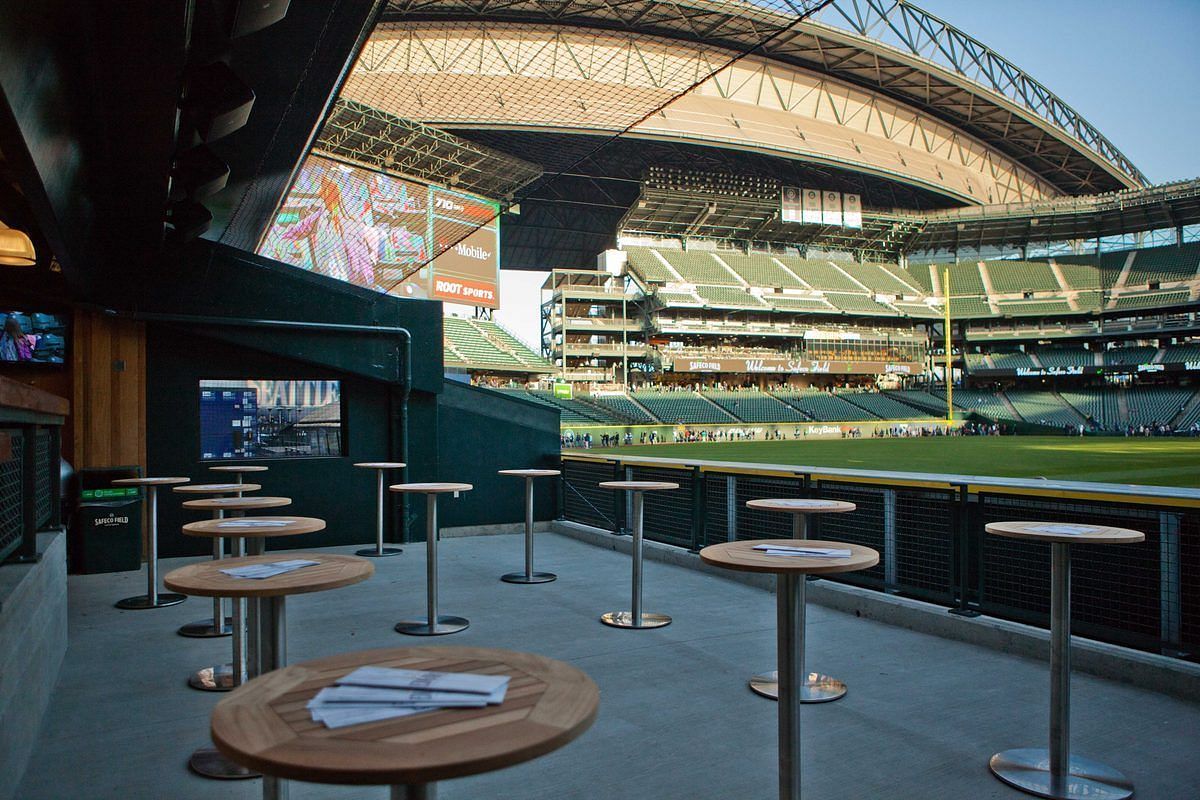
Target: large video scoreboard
{"points": [[386, 233]]}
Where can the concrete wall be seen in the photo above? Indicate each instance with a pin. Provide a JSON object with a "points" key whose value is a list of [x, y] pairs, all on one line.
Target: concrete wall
{"points": [[33, 642]]}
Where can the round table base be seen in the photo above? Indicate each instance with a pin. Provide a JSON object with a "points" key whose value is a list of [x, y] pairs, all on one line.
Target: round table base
{"points": [[521, 577], [213, 679], [624, 619], [204, 629], [371, 552], [443, 626], [1028, 769], [817, 688], [211, 764], [142, 601]]}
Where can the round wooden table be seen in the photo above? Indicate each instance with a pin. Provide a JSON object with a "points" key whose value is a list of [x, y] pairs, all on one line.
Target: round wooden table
{"points": [[266, 726], [152, 598], [238, 470], [790, 573], [433, 624], [206, 579], [381, 469], [636, 618], [1053, 772], [219, 625], [252, 533], [529, 576], [817, 688]]}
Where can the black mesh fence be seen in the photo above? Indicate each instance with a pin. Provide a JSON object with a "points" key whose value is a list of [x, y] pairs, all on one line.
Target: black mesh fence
{"points": [[43, 477], [583, 499], [1116, 590], [933, 546], [12, 506]]}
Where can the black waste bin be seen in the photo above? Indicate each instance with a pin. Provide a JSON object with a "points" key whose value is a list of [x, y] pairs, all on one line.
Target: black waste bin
{"points": [[106, 528]]}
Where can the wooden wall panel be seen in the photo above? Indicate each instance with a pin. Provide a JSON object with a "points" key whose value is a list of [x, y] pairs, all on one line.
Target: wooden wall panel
{"points": [[109, 366]]}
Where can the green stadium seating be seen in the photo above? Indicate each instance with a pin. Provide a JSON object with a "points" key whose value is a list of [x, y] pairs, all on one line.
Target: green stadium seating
{"points": [[820, 274], [1100, 404], [919, 310], [1179, 353], [643, 262], [983, 402], [699, 267], [1081, 276], [576, 410], [728, 297], [920, 277], [623, 406], [751, 405], [975, 362], [882, 406], [1021, 276], [1089, 302], [857, 303], [822, 406], [677, 298], [1042, 408], [969, 308], [923, 400], [485, 345], [1155, 404], [1034, 308], [1012, 360], [758, 269], [880, 279], [792, 303], [1066, 357], [1164, 264], [964, 279], [681, 407], [1153, 299], [1129, 356]]}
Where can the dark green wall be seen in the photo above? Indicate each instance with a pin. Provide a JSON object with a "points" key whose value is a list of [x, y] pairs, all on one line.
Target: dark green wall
{"points": [[481, 432]]}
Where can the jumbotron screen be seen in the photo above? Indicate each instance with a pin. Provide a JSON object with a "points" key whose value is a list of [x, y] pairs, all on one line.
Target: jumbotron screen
{"points": [[388, 234]]}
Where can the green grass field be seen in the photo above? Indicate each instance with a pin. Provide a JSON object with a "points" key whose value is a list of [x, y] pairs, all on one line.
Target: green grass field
{"points": [[1156, 462]]}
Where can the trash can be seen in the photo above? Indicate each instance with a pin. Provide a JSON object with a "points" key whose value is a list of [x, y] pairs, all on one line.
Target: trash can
{"points": [[106, 529]]}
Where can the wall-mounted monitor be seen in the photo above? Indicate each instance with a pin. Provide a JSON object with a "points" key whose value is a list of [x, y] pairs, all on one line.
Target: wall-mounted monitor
{"points": [[33, 337], [265, 419]]}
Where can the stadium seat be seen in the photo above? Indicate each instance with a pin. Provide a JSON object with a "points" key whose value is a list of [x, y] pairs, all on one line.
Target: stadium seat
{"points": [[684, 407], [751, 405]]}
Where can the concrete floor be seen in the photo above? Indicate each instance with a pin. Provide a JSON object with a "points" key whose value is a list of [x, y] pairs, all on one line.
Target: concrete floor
{"points": [[676, 720]]}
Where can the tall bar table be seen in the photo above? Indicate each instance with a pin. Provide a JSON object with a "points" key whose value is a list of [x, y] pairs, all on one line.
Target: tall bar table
{"points": [[790, 573], [224, 677], [381, 469], [238, 470], [263, 724], [529, 576], [1053, 772], [153, 598], [817, 688], [434, 624], [330, 572], [636, 618], [219, 624]]}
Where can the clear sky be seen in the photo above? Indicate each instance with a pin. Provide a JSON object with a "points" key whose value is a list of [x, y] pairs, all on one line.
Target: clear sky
{"points": [[1130, 68]]}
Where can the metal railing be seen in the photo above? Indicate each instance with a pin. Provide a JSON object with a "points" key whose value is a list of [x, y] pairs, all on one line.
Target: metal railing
{"points": [[929, 531]]}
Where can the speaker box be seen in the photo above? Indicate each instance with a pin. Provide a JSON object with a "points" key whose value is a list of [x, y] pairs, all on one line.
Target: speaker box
{"points": [[240, 17], [198, 172], [188, 220], [217, 102]]}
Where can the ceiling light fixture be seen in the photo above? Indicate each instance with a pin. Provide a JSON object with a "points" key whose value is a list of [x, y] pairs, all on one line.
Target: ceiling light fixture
{"points": [[16, 249]]}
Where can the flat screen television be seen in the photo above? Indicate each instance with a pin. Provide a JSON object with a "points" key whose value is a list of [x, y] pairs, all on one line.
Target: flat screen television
{"points": [[33, 337], [268, 419]]}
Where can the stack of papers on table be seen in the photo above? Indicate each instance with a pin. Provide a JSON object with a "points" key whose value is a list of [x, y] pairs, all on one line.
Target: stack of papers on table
{"points": [[802, 552], [370, 694], [260, 571], [254, 523]]}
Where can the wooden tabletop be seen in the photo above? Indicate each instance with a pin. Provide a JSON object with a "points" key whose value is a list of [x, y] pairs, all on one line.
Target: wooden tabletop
{"points": [[216, 488], [1069, 532], [237, 503], [743, 557], [205, 579], [265, 725], [381, 464], [149, 481], [530, 473], [245, 528], [431, 488], [241, 468], [639, 486], [800, 505]]}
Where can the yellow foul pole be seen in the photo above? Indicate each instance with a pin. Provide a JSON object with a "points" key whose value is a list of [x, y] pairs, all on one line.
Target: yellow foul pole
{"points": [[946, 330]]}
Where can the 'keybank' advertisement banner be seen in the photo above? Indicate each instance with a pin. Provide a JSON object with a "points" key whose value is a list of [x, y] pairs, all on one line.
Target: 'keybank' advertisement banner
{"points": [[388, 234]]}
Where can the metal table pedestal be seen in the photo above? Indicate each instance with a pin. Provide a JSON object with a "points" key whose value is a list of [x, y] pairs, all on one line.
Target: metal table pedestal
{"points": [[635, 617], [528, 576], [434, 624], [379, 551], [153, 598], [1053, 772]]}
